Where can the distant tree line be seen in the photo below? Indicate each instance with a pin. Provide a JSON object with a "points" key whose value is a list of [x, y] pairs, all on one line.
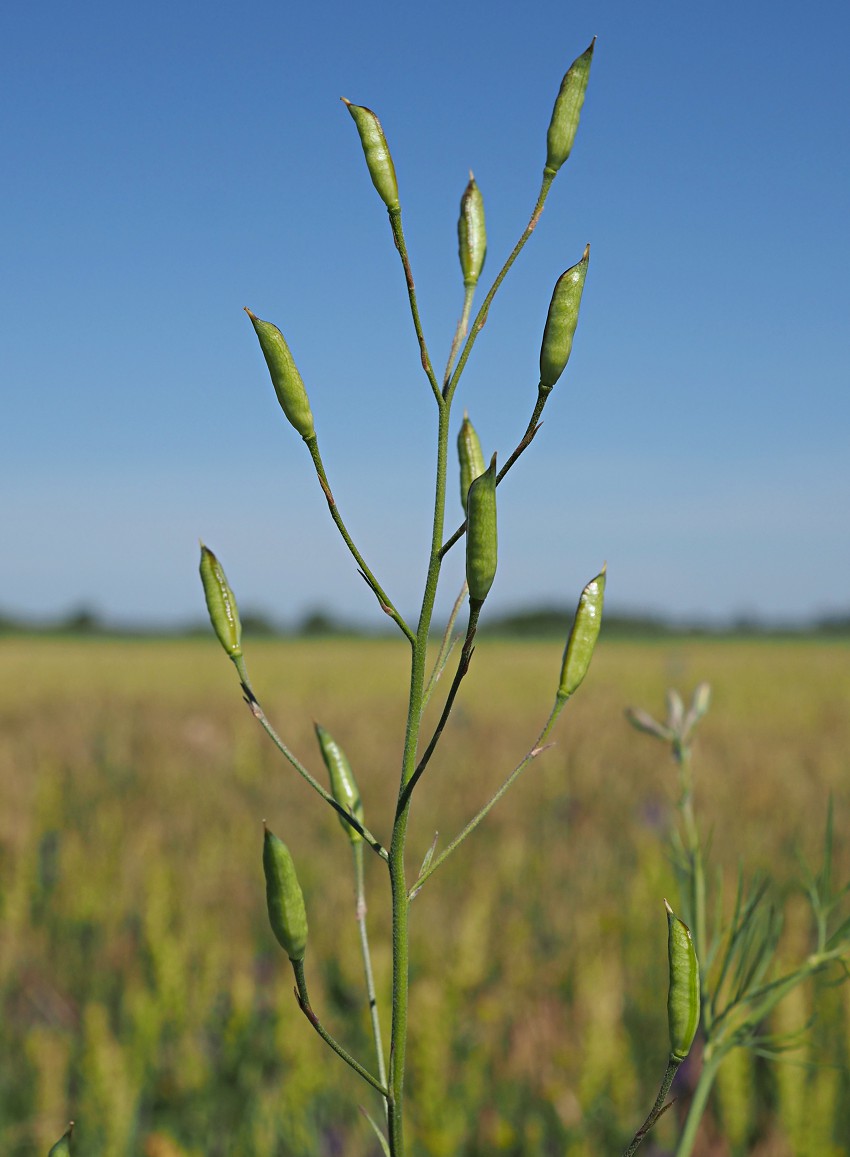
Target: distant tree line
{"points": [[543, 622]]}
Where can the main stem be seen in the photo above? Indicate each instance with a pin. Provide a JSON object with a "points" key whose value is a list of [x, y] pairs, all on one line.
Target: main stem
{"points": [[398, 881]]}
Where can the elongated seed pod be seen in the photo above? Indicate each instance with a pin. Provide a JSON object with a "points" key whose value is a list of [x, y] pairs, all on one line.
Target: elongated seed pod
{"points": [[344, 787], [561, 321], [285, 376], [565, 115], [62, 1148], [377, 153], [481, 537], [284, 897], [471, 234], [683, 999], [221, 603], [470, 458], [585, 631]]}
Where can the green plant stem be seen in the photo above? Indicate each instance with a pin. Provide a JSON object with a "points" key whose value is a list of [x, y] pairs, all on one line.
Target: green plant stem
{"points": [[560, 703], [481, 316], [460, 332], [525, 441], [401, 246], [693, 847], [306, 1008], [657, 1109], [360, 911], [398, 882], [260, 716], [383, 599], [688, 1136]]}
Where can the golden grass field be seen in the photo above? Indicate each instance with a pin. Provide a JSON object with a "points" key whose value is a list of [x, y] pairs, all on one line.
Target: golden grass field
{"points": [[144, 996]]}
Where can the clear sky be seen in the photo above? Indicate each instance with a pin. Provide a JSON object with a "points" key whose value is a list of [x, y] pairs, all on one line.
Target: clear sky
{"points": [[168, 164]]}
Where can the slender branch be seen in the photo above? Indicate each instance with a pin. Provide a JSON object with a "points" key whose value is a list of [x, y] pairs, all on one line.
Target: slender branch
{"points": [[445, 646], [481, 316], [401, 246], [460, 333], [536, 750], [261, 717], [699, 1100], [525, 441], [462, 668], [658, 1108], [360, 914], [305, 1006], [383, 599]]}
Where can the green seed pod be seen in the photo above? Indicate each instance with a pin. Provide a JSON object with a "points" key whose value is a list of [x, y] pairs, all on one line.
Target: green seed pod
{"points": [[62, 1148], [585, 631], [565, 115], [377, 153], [285, 900], [344, 787], [683, 999], [471, 234], [221, 604], [470, 457], [285, 376], [561, 321], [481, 539]]}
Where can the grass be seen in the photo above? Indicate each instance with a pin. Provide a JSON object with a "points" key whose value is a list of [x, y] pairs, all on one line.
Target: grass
{"points": [[141, 991]]}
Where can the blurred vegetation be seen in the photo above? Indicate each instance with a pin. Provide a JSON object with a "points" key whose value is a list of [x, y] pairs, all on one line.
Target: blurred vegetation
{"points": [[142, 993]]}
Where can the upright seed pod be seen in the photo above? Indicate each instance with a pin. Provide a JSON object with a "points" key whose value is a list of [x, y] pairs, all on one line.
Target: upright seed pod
{"points": [[377, 153], [683, 998], [62, 1148], [284, 897], [285, 376], [561, 321], [565, 115], [344, 787], [471, 234], [470, 458], [221, 604], [582, 641], [481, 538]]}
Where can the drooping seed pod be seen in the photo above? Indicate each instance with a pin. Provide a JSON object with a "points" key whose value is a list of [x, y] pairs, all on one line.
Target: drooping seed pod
{"points": [[583, 635], [471, 234], [285, 376], [284, 897], [481, 537], [470, 458], [221, 603], [565, 115], [683, 997], [344, 787], [377, 153], [561, 321], [62, 1148]]}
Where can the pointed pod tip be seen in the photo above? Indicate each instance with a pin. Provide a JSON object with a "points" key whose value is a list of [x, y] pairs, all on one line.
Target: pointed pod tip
{"points": [[252, 316], [591, 46], [667, 906], [586, 255], [345, 101]]}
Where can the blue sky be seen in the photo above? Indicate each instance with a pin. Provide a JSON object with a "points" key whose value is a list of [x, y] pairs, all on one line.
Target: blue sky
{"points": [[168, 164]]}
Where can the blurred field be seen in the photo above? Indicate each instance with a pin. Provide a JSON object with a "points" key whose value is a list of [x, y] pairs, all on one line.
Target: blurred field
{"points": [[142, 994]]}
